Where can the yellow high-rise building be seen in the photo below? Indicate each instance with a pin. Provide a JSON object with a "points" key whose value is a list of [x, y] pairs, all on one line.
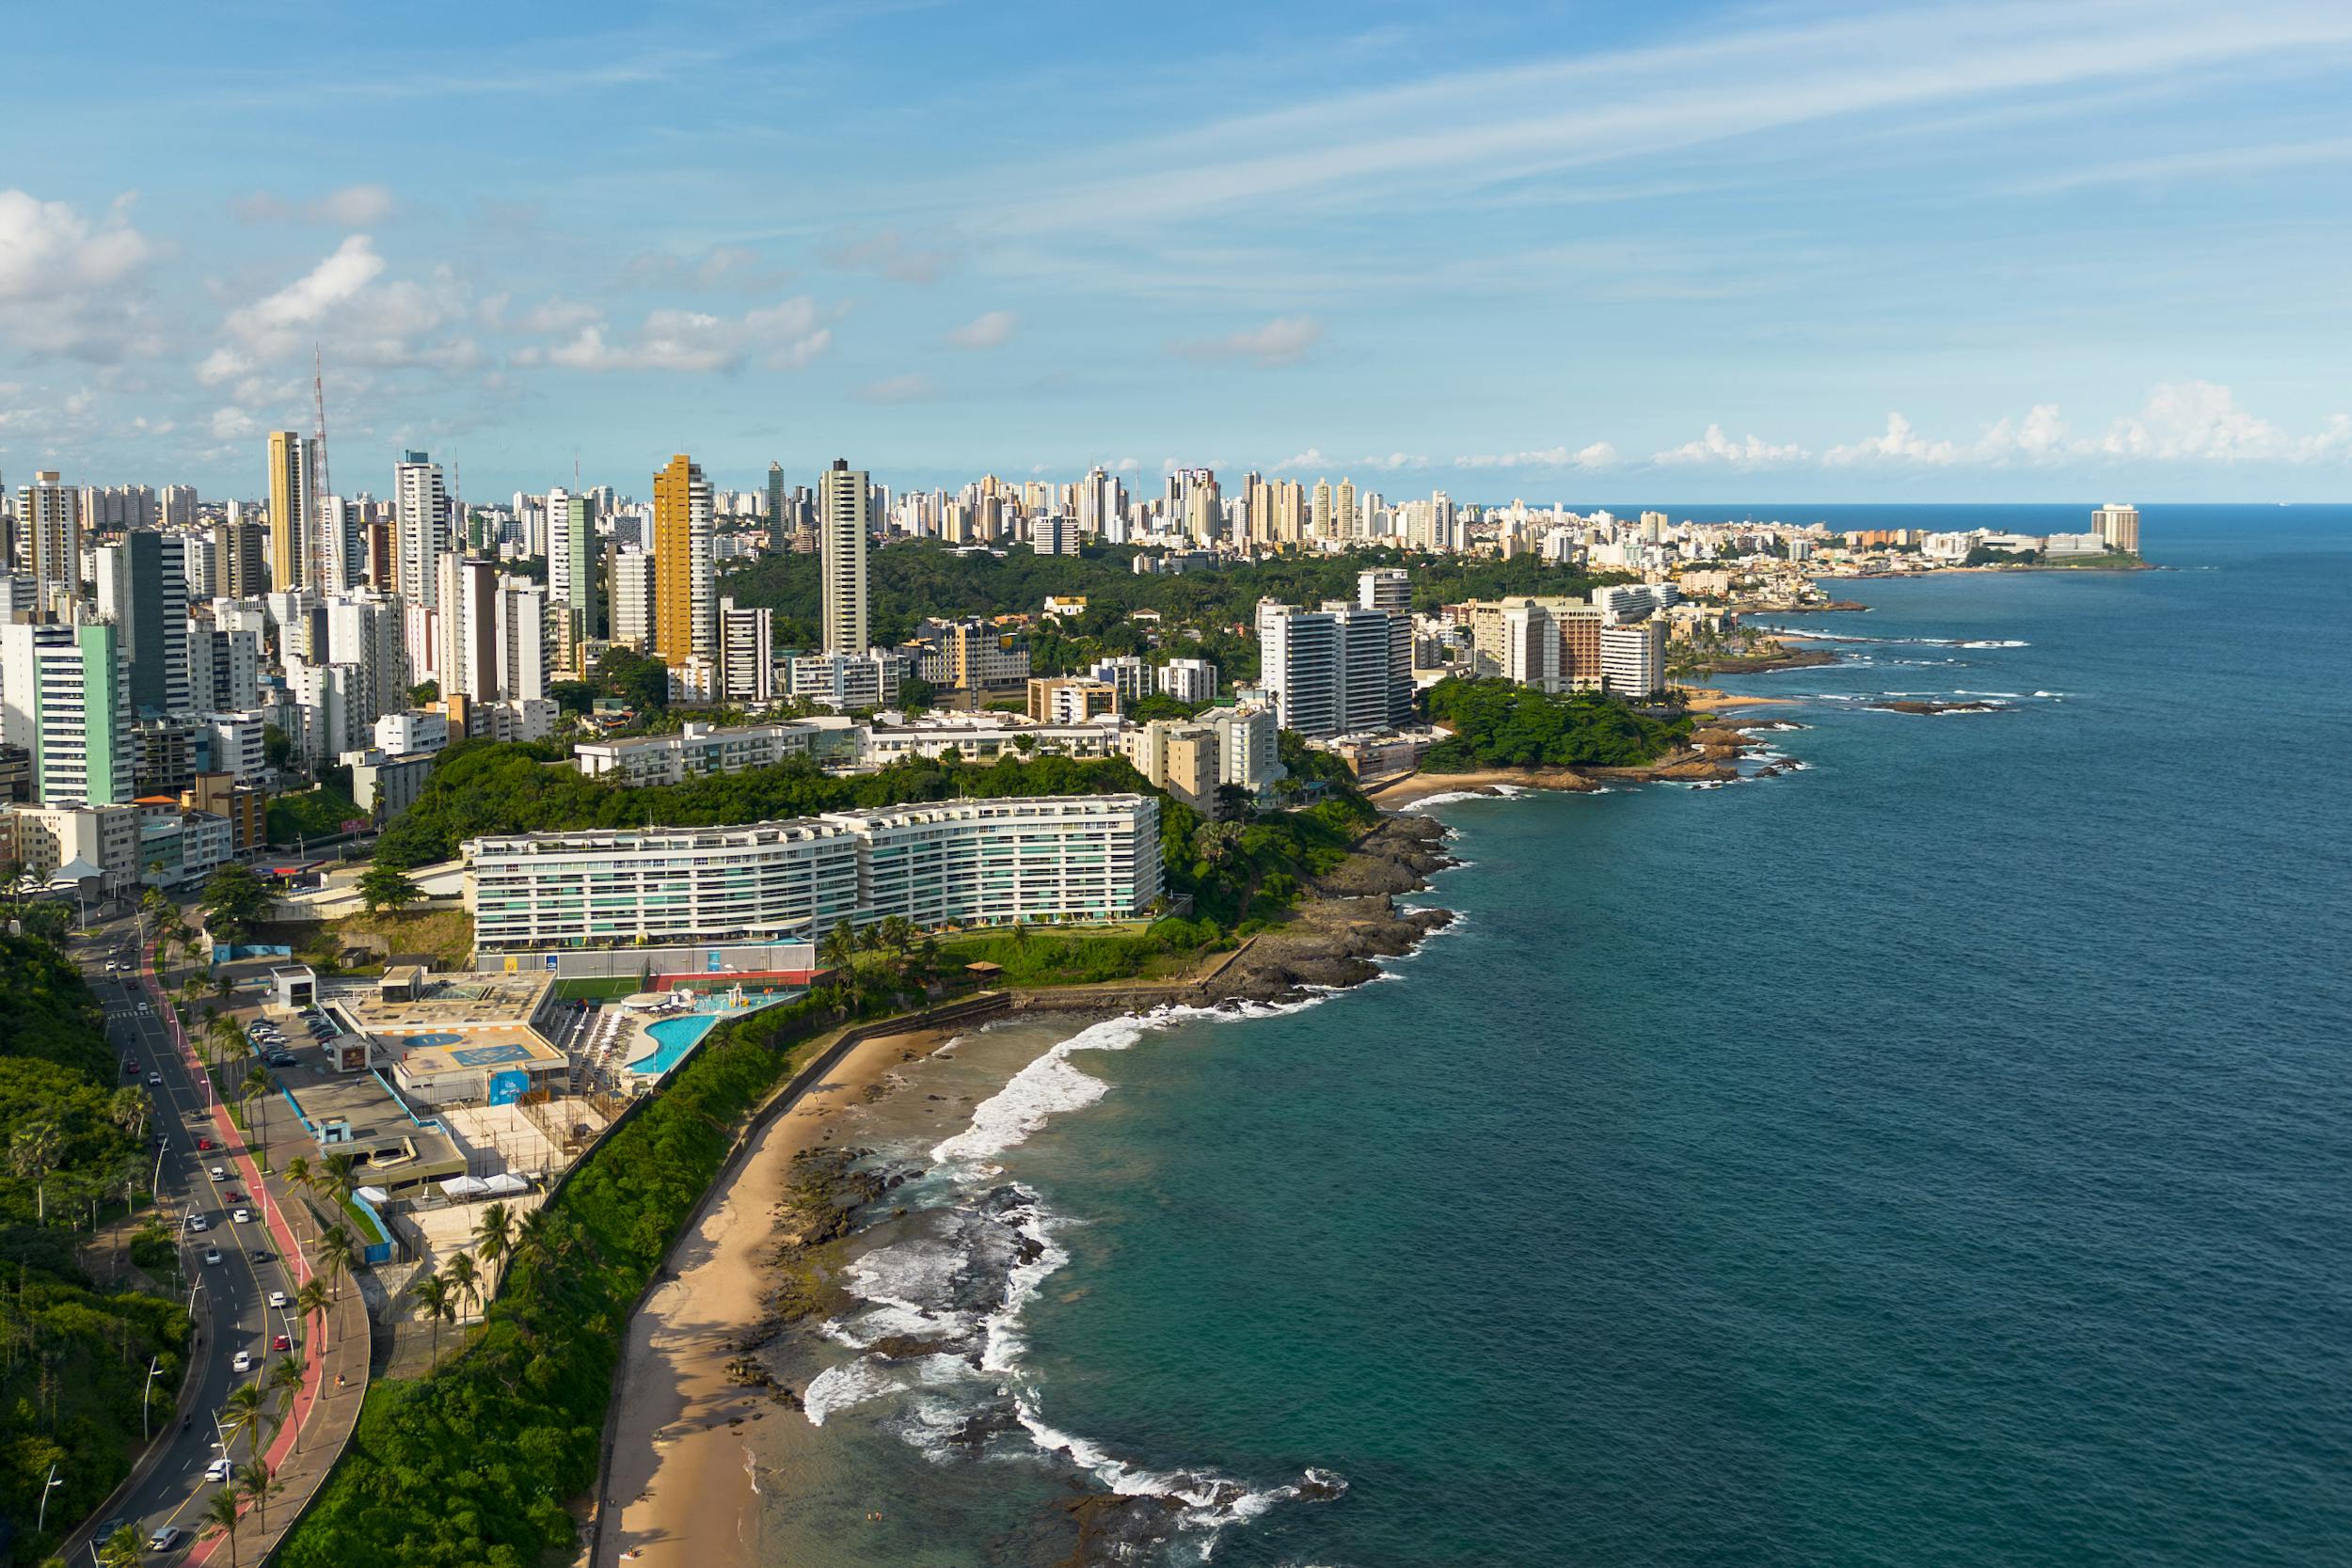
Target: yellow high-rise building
{"points": [[682, 605], [289, 507]]}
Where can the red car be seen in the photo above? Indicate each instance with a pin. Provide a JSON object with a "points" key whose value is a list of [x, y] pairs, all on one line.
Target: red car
{"points": [[203, 1144], [280, 1343], [233, 1196]]}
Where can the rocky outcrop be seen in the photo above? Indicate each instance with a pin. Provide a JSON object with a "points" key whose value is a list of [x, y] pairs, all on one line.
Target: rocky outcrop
{"points": [[1914, 705]]}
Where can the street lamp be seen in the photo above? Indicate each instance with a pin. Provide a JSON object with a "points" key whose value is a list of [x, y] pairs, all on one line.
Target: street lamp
{"points": [[41, 1521], [146, 1392]]}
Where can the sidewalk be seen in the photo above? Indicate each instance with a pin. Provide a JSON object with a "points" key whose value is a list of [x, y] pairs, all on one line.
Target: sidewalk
{"points": [[336, 1379]]}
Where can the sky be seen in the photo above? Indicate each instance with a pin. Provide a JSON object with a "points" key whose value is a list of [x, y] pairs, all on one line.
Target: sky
{"points": [[2072, 249]]}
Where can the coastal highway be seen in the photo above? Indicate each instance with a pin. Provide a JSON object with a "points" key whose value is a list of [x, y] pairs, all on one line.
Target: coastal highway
{"points": [[232, 1298]]}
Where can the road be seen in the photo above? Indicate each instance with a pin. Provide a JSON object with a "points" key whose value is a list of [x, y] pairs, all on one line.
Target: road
{"points": [[232, 1298]]}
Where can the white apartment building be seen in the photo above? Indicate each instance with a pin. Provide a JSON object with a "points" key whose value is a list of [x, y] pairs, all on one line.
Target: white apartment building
{"points": [[844, 518], [747, 653], [976, 738], [411, 730], [237, 744], [1188, 680], [703, 749], [848, 681], [1248, 747], [1338, 670], [1093, 857], [419, 530], [52, 837], [1633, 657], [65, 697], [633, 598], [1129, 674], [1385, 588]]}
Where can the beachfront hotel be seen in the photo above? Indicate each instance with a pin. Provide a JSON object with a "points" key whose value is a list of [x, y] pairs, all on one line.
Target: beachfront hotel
{"points": [[944, 862]]}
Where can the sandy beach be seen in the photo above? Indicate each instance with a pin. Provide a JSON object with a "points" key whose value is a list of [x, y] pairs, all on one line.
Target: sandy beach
{"points": [[1420, 786], [680, 1490]]}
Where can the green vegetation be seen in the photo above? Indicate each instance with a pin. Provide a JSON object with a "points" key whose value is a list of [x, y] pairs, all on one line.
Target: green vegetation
{"points": [[474, 1462], [73, 1353], [320, 813], [234, 898], [1496, 724], [1985, 554], [1044, 957], [387, 887]]}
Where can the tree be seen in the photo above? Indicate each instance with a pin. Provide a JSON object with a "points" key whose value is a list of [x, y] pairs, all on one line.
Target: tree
{"points": [[387, 887], [233, 897], [220, 1518], [311, 1302], [494, 1234], [242, 1413], [123, 1549], [433, 1293], [276, 745], [336, 1253], [839, 948], [298, 1174], [254, 1481], [342, 1175], [897, 932], [285, 1383], [424, 693], [34, 1150], [131, 1110], [255, 1085], [463, 1277]]}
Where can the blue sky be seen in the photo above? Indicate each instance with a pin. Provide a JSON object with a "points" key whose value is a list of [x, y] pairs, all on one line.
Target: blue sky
{"points": [[1779, 253]]}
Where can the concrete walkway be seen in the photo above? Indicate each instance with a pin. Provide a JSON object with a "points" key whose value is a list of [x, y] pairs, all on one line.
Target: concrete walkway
{"points": [[336, 1377]]}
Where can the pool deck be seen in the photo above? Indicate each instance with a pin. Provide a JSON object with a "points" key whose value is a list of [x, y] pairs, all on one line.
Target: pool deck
{"points": [[632, 1038]]}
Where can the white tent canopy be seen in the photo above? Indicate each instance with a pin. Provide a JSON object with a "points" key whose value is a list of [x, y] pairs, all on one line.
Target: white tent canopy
{"points": [[464, 1186], [506, 1184]]}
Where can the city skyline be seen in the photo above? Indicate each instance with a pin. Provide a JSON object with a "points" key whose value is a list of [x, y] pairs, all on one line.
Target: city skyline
{"points": [[1788, 254]]}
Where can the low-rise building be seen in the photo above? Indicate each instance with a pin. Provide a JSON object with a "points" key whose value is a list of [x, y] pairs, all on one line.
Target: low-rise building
{"points": [[698, 750], [386, 785], [1187, 680], [979, 861], [1070, 699], [849, 682]]}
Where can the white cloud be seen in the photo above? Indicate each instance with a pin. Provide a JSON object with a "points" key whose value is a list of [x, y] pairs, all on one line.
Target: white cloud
{"points": [[1899, 442], [2199, 421], [1715, 447], [66, 282], [991, 329], [360, 206], [889, 252], [1597, 455], [2041, 434], [896, 388], [233, 424], [1311, 458], [1283, 341], [1393, 461], [784, 336]]}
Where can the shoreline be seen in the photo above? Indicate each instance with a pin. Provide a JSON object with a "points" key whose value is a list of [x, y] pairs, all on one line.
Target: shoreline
{"points": [[681, 1485]]}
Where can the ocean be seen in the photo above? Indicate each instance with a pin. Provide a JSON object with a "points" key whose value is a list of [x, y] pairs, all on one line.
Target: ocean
{"points": [[1937, 1155]]}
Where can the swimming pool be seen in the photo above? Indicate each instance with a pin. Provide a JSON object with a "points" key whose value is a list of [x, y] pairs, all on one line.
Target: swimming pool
{"points": [[674, 1038]]}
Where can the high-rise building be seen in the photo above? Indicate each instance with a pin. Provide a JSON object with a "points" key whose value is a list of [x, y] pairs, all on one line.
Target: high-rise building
{"points": [[65, 697], [290, 507], [572, 547], [1336, 670], [522, 640], [1634, 657], [468, 662], [747, 653], [2117, 525], [143, 588], [240, 560], [1319, 523], [1345, 521], [363, 630], [844, 518], [49, 520], [683, 607], [780, 508], [420, 529], [632, 598], [1385, 588]]}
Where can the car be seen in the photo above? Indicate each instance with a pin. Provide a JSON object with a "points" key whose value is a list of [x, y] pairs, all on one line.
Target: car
{"points": [[240, 1216], [212, 1256], [219, 1469], [163, 1140], [167, 1537], [145, 1008], [281, 1058], [154, 1080], [203, 1145], [263, 1255], [219, 1173], [106, 1530], [278, 1300], [197, 1221], [241, 1362], [279, 1341], [233, 1196], [130, 1064]]}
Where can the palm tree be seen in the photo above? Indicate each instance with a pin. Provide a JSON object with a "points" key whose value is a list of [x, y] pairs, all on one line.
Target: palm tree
{"points": [[463, 1277], [220, 1518], [33, 1153], [310, 1301], [246, 1409], [298, 1173], [343, 1174], [335, 1255], [123, 1549], [222, 1038], [433, 1294], [285, 1381], [256, 1084], [494, 1238], [253, 1480], [899, 932]]}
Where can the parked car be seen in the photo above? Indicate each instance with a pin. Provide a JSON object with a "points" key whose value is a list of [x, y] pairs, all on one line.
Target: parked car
{"points": [[203, 1145], [279, 1341], [263, 1255]]}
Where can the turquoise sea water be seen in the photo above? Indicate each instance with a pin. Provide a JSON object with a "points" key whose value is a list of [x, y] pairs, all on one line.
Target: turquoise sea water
{"points": [[1942, 1155]]}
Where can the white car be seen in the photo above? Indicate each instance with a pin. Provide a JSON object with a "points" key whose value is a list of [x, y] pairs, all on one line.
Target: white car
{"points": [[216, 1471], [278, 1301], [212, 1256], [241, 1362], [219, 1173], [197, 1221], [241, 1217]]}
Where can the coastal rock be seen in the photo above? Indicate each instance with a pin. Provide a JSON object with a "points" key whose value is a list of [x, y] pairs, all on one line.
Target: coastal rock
{"points": [[1913, 705]]}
